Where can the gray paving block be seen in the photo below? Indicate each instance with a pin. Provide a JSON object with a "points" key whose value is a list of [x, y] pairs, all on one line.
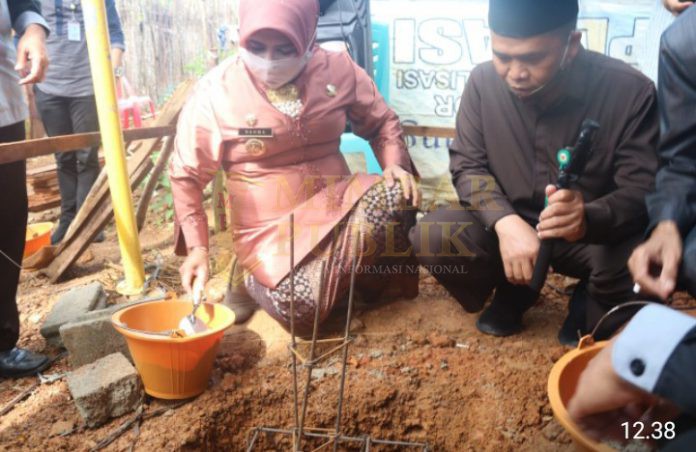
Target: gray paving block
{"points": [[92, 337], [110, 309], [107, 388], [71, 306]]}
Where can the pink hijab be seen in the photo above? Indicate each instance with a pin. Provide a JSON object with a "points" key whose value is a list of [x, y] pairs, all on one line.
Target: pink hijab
{"points": [[296, 19]]}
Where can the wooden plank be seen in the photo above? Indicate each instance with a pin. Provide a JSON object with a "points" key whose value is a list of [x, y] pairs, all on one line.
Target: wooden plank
{"points": [[33, 172], [434, 132], [41, 204], [99, 194], [96, 195], [72, 252], [45, 183], [97, 209], [22, 150], [149, 188], [96, 200], [40, 171], [43, 178], [100, 190]]}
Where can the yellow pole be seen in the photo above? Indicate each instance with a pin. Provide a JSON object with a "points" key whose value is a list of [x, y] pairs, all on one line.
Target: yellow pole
{"points": [[112, 139]]}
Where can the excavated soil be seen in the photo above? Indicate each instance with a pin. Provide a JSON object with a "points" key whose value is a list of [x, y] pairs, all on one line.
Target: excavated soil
{"points": [[418, 371]]}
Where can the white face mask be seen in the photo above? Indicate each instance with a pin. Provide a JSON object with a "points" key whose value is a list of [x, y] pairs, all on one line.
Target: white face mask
{"points": [[275, 73]]}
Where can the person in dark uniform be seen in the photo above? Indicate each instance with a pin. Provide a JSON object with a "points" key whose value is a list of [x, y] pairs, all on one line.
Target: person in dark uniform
{"points": [[30, 59], [66, 102], [671, 246], [516, 112], [653, 361]]}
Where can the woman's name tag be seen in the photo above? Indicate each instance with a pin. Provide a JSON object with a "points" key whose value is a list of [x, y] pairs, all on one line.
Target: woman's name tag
{"points": [[256, 132]]}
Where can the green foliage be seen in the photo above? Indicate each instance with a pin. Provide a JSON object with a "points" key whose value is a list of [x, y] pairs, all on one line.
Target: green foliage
{"points": [[199, 66]]}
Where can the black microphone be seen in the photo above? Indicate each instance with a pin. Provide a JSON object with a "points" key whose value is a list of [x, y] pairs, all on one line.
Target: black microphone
{"points": [[571, 164]]}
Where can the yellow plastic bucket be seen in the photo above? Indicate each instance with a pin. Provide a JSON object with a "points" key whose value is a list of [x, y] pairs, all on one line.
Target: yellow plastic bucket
{"points": [[38, 236], [561, 386], [172, 367]]}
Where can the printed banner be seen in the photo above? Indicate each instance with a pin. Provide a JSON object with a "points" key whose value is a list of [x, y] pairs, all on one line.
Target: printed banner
{"points": [[433, 46]]}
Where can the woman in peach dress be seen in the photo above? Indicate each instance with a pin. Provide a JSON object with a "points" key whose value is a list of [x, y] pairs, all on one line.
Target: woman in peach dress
{"points": [[272, 117]]}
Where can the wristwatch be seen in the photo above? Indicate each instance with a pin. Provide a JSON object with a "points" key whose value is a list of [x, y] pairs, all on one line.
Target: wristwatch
{"points": [[118, 71]]}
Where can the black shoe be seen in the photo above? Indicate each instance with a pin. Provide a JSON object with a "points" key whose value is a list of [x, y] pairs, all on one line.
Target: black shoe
{"points": [[503, 317], [571, 331], [569, 334], [499, 322], [575, 324], [21, 363]]}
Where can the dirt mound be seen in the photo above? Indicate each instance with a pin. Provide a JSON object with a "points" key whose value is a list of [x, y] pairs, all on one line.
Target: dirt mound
{"points": [[417, 371]]}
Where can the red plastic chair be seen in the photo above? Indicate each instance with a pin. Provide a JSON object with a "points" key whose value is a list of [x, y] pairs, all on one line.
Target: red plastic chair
{"points": [[130, 105]]}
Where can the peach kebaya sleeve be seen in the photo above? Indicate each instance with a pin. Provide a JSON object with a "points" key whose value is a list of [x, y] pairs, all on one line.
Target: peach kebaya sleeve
{"points": [[196, 159], [373, 120]]}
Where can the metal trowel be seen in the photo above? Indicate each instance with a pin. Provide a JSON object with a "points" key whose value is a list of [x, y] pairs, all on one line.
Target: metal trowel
{"points": [[191, 324]]}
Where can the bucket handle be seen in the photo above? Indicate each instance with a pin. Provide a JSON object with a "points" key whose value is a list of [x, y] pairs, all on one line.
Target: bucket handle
{"points": [[588, 339]]}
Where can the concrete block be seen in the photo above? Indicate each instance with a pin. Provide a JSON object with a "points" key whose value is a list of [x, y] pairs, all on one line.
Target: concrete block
{"points": [[71, 306], [92, 337], [107, 388], [100, 311]]}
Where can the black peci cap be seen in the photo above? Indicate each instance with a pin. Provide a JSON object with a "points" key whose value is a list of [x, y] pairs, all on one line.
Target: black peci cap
{"points": [[525, 18]]}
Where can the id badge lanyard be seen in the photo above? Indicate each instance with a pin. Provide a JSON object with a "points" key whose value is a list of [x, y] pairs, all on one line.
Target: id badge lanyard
{"points": [[74, 28]]}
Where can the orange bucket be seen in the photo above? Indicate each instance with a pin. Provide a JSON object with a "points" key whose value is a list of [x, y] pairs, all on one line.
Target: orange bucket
{"points": [[38, 236], [561, 387], [172, 367]]}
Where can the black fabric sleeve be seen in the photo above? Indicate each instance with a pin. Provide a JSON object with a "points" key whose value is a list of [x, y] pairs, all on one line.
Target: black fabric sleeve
{"points": [[675, 195], [17, 7]]}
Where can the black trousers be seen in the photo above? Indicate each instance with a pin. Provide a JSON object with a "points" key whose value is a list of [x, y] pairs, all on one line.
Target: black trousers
{"points": [[14, 211], [465, 259], [77, 170]]}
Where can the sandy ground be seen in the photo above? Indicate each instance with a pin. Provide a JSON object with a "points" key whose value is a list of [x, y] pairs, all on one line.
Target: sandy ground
{"points": [[417, 371]]}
